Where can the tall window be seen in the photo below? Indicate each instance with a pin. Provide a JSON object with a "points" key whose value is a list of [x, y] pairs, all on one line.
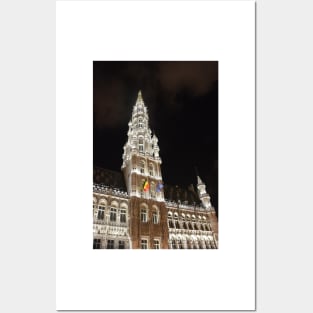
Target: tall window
{"points": [[156, 244], [121, 244], [150, 169], [97, 243], [94, 207], [144, 244], [140, 123], [174, 244], [142, 167], [113, 215], [140, 145], [180, 245], [143, 215], [176, 221], [170, 224], [101, 212], [123, 216], [155, 217], [110, 244]]}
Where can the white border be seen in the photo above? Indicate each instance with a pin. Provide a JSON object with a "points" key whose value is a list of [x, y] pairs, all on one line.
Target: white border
{"points": [[223, 279]]}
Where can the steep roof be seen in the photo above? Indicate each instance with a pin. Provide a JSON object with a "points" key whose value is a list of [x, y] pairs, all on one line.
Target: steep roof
{"points": [[109, 178], [183, 195]]}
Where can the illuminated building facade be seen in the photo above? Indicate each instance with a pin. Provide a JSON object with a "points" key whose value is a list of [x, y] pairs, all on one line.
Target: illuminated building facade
{"points": [[135, 209]]}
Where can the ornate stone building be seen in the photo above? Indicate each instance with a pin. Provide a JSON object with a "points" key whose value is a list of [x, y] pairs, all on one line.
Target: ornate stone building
{"points": [[134, 209]]}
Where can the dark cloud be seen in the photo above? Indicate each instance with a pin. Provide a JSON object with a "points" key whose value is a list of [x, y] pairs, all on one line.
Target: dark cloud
{"points": [[116, 85], [198, 77]]}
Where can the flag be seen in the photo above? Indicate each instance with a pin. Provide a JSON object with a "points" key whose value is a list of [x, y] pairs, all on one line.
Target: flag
{"points": [[159, 187], [145, 186]]}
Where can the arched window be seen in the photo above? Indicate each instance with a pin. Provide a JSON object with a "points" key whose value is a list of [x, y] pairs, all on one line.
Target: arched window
{"points": [[101, 209], [169, 219], [155, 215], [170, 223], [143, 213], [177, 226], [123, 212], [113, 211]]}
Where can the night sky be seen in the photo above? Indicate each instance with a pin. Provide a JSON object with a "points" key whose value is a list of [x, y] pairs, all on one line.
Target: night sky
{"points": [[182, 102]]}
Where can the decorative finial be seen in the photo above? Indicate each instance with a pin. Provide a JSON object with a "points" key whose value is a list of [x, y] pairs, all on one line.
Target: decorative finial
{"points": [[139, 95]]}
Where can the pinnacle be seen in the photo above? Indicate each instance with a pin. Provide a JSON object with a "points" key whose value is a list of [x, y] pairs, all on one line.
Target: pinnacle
{"points": [[139, 97], [200, 182]]}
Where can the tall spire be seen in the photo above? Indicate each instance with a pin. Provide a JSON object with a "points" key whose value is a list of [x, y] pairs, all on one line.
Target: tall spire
{"points": [[140, 139], [141, 160], [203, 195], [139, 97]]}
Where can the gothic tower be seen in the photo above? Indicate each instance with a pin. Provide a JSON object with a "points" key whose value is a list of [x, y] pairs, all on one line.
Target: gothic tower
{"points": [[203, 195], [142, 172], [206, 202]]}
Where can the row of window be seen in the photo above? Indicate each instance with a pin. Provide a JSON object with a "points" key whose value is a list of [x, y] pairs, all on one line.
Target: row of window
{"points": [[109, 245], [121, 244], [189, 225], [144, 244], [113, 214], [144, 216], [142, 163], [178, 244], [187, 217]]}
